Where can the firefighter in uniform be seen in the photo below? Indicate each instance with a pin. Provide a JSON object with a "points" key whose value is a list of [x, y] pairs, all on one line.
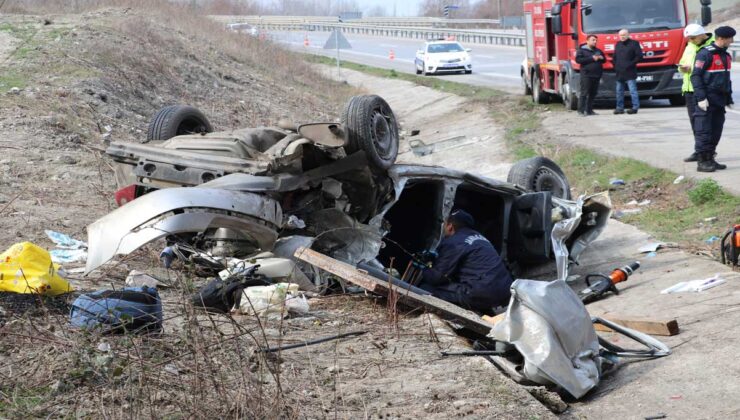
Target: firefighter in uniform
{"points": [[712, 92], [468, 271]]}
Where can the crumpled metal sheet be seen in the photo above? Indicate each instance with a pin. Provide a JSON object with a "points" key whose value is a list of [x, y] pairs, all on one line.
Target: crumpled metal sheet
{"points": [[343, 237], [551, 328], [564, 229]]}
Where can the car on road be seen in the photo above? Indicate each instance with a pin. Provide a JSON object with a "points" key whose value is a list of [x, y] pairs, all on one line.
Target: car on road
{"points": [[443, 57], [243, 28], [334, 187]]}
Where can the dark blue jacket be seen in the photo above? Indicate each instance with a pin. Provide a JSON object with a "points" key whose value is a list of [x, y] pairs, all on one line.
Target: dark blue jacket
{"points": [[711, 76], [589, 67], [470, 266]]}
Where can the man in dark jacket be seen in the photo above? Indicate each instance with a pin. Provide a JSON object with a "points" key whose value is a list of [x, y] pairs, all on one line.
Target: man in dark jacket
{"points": [[712, 92], [468, 271], [591, 60], [627, 53]]}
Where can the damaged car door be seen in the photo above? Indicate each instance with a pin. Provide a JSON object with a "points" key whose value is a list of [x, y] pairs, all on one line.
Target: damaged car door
{"points": [[530, 224]]}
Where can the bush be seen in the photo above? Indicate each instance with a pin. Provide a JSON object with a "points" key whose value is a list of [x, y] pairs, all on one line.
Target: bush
{"points": [[705, 191]]}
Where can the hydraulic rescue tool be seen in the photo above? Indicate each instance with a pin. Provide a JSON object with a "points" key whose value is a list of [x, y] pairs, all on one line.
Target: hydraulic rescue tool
{"points": [[599, 284], [730, 249]]}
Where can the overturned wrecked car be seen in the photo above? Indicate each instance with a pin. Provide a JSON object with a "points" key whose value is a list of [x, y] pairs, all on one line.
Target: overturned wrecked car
{"points": [[261, 193]]}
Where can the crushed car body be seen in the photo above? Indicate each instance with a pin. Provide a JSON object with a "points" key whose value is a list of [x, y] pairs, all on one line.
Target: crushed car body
{"points": [[337, 186]]}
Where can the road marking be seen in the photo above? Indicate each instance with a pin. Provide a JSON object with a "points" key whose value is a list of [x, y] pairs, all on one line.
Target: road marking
{"points": [[389, 45]]}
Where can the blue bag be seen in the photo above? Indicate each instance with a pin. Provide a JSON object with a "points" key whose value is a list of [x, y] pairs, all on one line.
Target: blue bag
{"points": [[131, 309]]}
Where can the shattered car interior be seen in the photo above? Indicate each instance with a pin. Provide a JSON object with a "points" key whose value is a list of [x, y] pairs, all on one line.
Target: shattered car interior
{"points": [[248, 200]]}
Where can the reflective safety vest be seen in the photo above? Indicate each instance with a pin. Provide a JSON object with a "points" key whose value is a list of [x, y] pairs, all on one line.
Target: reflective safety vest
{"points": [[688, 58]]}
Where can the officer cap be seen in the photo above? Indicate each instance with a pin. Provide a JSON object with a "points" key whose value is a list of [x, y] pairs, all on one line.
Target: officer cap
{"points": [[462, 217], [724, 32]]}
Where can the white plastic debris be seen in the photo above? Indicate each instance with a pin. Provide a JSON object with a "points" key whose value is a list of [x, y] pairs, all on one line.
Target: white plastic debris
{"points": [[651, 247], [694, 285], [295, 223], [678, 179], [68, 249], [263, 300], [137, 279]]}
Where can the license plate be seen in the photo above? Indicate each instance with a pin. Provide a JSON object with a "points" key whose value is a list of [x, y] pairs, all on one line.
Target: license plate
{"points": [[646, 78], [450, 65]]}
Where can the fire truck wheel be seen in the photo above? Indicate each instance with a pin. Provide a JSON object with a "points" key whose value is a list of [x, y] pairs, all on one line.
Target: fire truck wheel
{"points": [[570, 100], [176, 120], [538, 95], [540, 174], [525, 86]]}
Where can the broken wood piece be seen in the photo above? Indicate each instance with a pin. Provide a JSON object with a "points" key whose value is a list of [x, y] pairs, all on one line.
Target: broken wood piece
{"points": [[444, 309], [648, 326], [493, 320]]}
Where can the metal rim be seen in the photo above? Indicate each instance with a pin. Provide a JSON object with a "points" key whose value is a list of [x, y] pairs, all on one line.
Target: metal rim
{"points": [[380, 130], [547, 180]]}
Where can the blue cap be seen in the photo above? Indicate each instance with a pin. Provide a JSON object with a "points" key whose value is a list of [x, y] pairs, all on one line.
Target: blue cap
{"points": [[462, 217], [724, 32]]}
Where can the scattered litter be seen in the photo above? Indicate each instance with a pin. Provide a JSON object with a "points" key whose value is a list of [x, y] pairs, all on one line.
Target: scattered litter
{"points": [[28, 268], [678, 179], [131, 309], [694, 285], [263, 300], [644, 203], [651, 254], [616, 181], [137, 278], [712, 239], [657, 416], [632, 203], [104, 347], [171, 369], [312, 342], [68, 249], [651, 247], [711, 219], [295, 223], [222, 295]]}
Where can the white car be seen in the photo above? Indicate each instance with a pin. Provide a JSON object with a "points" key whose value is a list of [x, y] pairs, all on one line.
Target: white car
{"points": [[443, 56]]}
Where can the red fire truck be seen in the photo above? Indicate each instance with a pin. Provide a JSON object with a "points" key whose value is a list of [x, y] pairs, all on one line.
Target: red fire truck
{"points": [[556, 28]]}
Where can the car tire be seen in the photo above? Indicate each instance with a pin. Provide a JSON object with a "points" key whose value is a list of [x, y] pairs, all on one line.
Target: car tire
{"points": [[468, 71], [371, 126], [540, 174], [417, 69], [570, 100], [424, 71], [176, 120], [525, 86]]}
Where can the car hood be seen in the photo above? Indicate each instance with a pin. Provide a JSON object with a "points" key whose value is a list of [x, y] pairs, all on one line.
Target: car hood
{"points": [[448, 56]]}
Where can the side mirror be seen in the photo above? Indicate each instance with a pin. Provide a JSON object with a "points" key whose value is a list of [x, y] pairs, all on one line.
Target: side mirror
{"points": [[557, 25], [556, 9], [706, 15], [326, 134]]}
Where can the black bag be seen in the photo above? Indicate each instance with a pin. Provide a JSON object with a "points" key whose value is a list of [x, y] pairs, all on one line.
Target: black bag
{"points": [[222, 295]]}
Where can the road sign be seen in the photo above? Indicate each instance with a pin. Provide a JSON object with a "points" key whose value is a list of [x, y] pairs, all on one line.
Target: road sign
{"points": [[449, 7], [337, 41]]}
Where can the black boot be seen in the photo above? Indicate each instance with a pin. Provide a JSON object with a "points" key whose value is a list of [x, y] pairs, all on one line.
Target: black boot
{"points": [[692, 158], [718, 165], [705, 163]]}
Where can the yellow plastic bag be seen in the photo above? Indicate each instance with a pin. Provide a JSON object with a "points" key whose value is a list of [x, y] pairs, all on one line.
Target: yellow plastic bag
{"points": [[27, 268]]}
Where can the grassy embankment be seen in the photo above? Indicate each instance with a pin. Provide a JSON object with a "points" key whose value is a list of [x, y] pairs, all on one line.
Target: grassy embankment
{"points": [[682, 212]]}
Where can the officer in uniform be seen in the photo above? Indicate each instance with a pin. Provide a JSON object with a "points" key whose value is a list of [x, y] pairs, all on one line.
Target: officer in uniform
{"points": [[697, 39], [468, 271], [712, 92]]}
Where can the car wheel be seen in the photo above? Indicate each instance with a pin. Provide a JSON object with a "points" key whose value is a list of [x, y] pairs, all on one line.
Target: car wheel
{"points": [[424, 69], [468, 71], [371, 126], [176, 120], [540, 174], [416, 67]]}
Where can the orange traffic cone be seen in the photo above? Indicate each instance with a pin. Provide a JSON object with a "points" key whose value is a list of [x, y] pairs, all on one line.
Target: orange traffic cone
{"points": [[391, 55], [305, 41]]}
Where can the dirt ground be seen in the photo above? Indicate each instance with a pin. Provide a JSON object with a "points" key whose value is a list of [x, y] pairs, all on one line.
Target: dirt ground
{"points": [[72, 84]]}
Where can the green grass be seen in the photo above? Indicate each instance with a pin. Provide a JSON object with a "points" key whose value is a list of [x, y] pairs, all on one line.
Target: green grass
{"points": [[12, 78]]}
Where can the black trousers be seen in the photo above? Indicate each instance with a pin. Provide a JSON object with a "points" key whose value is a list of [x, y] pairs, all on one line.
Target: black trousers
{"points": [[691, 108], [587, 95], [708, 126]]}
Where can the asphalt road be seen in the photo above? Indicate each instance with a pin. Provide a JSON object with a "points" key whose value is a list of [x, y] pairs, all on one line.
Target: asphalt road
{"points": [[492, 66]]}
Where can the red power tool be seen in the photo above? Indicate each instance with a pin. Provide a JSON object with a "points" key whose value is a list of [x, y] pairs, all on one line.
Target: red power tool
{"points": [[730, 249], [599, 284]]}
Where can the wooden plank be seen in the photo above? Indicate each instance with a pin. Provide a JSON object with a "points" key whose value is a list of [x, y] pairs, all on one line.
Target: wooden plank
{"points": [[444, 309], [648, 326]]}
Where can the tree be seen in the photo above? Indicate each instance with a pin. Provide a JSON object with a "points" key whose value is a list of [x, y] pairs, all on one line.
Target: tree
{"points": [[376, 11]]}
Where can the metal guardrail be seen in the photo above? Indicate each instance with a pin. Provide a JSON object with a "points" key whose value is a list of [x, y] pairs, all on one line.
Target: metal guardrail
{"points": [[735, 51], [375, 21]]}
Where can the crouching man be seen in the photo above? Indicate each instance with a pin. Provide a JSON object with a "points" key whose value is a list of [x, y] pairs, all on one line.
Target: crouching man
{"points": [[468, 271]]}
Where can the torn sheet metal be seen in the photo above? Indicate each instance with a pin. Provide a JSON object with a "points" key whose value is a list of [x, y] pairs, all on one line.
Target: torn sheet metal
{"points": [[177, 210], [551, 328], [343, 237]]}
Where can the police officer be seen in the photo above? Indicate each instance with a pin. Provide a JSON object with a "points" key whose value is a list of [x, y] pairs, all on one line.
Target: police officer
{"points": [[697, 39], [712, 92], [468, 271]]}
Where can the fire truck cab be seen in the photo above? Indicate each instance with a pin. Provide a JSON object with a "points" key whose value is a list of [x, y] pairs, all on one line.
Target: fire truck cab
{"points": [[555, 29]]}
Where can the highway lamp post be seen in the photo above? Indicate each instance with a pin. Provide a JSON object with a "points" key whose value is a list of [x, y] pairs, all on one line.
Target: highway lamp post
{"points": [[336, 41]]}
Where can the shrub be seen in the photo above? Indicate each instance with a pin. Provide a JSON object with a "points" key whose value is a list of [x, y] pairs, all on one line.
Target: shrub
{"points": [[705, 191]]}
